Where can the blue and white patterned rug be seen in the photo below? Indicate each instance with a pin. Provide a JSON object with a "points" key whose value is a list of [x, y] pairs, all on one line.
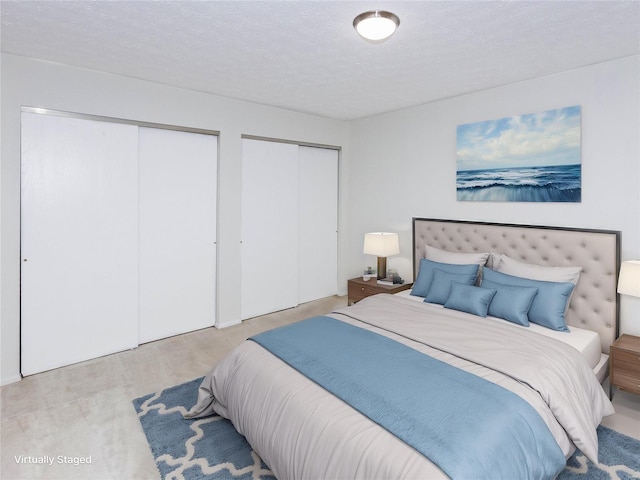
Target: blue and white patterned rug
{"points": [[206, 448], [210, 448]]}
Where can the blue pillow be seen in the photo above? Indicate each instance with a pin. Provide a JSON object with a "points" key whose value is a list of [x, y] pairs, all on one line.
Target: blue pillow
{"points": [[511, 302], [425, 274], [470, 299], [441, 284], [548, 306]]}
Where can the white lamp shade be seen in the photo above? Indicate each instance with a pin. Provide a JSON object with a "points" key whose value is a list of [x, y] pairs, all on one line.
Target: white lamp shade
{"points": [[629, 279], [381, 244]]}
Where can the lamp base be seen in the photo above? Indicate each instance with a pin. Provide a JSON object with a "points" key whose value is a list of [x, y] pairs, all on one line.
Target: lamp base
{"points": [[382, 267]]}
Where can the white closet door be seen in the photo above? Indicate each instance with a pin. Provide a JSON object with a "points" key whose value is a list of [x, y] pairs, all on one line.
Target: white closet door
{"points": [[269, 271], [178, 178], [318, 223], [79, 275]]}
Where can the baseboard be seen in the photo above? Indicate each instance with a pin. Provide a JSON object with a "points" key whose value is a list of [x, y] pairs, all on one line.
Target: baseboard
{"points": [[228, 324], [11, 379]]}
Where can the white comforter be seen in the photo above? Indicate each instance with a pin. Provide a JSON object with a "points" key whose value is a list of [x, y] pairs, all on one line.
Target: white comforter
{"points": [[302, 431]]}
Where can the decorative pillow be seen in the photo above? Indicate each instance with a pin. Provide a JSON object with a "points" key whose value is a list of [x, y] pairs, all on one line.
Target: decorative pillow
{"points": [[470, 299], [548, 306], [425, 274], [538, 272], [511, 302], [456, 258], [441, 284]]}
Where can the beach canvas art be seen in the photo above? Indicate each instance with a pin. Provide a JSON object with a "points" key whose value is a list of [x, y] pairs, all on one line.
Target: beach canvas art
{"points": [[526, 158]]}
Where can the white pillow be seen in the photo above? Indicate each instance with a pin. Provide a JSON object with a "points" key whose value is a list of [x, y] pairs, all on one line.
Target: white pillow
{"points": [[537, 272], [494, 261], [456, 258]]}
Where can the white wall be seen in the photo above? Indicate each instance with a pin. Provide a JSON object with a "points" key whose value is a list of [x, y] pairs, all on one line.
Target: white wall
{"points": [[393, 166], [403, 164], [27, 82]]}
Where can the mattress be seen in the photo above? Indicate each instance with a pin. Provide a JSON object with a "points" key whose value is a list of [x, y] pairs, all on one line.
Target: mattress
{"points": [[586, 342]]}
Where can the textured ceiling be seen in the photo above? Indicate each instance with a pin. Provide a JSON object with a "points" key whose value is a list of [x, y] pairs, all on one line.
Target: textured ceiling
{"points": [[306, 56]]}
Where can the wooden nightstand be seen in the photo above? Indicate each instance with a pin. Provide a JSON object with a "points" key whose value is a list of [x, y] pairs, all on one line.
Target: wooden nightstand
{"points": [[624, 364], [359, 289]]}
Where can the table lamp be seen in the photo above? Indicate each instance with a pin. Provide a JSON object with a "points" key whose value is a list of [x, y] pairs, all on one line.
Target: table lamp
{"points": [[383, 245], [629, 279]]}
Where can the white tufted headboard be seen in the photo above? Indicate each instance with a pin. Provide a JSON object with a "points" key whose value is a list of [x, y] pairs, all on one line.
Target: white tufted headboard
{"points": [[594, 304]]}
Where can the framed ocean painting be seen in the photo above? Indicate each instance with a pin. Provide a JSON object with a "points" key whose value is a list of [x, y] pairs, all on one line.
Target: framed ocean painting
{"points": [[526, 158]]}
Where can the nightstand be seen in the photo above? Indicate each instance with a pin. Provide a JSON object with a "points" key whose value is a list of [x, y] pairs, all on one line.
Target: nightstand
{"points": [[624, 364], [359, 289]]}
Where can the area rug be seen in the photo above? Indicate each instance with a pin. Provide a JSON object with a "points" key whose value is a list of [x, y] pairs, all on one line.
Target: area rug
{"points": [[207, 448], [210, 448]]}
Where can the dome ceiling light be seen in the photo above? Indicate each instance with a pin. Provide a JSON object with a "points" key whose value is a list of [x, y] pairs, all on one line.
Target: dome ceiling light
{"points": [[376, 25]]}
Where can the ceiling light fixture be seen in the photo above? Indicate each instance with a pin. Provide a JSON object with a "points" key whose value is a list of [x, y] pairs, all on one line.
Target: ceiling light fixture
{"points": [[376, 25]]}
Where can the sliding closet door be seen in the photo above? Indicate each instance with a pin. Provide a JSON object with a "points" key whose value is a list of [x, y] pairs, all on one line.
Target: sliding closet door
{"points": [[317, 223], [178, 178], [79, 231], [269, 271]]}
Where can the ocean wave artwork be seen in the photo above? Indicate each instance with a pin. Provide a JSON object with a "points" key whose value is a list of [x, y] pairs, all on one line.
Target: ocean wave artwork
{"points": [[526, 158], [559, 183]]}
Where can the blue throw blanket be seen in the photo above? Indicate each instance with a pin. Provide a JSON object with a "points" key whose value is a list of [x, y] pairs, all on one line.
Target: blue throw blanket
{"points": [[467, 426]]}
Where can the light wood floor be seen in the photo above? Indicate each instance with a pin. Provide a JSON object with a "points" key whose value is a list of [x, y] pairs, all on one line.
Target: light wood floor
{"points": [[85, 409]]}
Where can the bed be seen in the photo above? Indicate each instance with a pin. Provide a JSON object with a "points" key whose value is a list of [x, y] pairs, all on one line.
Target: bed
{"points": [[398, 387]]}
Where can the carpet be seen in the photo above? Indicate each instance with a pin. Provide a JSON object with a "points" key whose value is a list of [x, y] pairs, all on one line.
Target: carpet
{"points": [[210, 448]]}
